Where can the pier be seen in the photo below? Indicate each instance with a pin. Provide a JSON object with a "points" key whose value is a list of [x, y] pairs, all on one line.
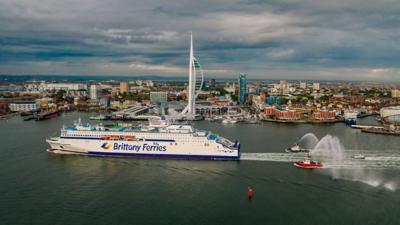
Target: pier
{"points": [[366, 127]]}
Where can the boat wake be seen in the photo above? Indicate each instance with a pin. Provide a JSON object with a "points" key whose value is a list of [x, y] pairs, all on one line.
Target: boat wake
{"points": [[364, 166], [371, 161]]}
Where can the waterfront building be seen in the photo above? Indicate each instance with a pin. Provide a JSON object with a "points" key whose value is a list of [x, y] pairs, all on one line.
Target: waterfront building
{"points": [[324, 115], [24, 106], [123, 87], [95, 91], [316, 86], [269, 110], [287, 114], [390, 114], [242, 88], [4, 108]]}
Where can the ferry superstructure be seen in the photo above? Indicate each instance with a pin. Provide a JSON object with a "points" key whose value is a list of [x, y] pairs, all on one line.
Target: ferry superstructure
{"points": [[155, 140]]}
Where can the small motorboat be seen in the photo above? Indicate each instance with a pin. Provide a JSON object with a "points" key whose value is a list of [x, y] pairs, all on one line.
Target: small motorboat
{"points": [[308, 163], [359, 156], [296, 148], [229, 121]]}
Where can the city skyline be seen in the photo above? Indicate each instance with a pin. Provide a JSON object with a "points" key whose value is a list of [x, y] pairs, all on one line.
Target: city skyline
{"points": [[300, 40]]}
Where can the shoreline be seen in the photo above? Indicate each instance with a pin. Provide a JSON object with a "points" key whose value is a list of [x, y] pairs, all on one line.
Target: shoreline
{"points": [[304, 121]]}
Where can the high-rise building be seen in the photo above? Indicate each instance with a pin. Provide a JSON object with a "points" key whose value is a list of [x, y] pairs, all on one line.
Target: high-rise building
{"points": [[284, 87], [316, 86], [123, 87], [242, 88], [95, 91]]}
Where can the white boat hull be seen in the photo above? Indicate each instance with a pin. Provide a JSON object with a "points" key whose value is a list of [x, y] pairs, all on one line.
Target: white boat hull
{"points": [[157, 149]]}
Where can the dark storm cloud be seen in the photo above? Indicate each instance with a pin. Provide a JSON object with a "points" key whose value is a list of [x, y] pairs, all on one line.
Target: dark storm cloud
{"points": [[264, 38]]}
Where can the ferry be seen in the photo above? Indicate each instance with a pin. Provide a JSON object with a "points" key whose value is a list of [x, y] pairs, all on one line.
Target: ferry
{"points": [[160, 139], [350, 117]]}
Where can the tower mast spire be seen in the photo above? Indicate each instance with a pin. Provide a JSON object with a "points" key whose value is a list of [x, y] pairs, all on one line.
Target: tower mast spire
{"points": [[192, 80]]}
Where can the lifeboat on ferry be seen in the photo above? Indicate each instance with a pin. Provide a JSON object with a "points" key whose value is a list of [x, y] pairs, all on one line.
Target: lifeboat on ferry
{"points": [[129, 137], [114, 137], [105, 138], [308, 163]]}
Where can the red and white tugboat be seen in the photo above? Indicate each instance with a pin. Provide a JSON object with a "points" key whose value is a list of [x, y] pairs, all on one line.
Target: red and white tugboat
{"points": [[308, 163]]}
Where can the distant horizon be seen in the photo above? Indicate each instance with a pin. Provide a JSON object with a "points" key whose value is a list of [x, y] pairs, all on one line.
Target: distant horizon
{"points": [[76, 77]]}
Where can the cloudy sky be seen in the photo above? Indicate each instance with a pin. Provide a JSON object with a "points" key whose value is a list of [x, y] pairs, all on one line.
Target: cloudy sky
{"points": [[288, 39]]}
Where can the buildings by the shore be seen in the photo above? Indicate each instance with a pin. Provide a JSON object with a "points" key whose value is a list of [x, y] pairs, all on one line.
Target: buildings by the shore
{"points": [[280, 102]]}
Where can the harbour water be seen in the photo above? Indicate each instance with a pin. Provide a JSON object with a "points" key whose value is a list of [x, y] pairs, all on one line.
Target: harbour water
{"points": [[40, 188]]}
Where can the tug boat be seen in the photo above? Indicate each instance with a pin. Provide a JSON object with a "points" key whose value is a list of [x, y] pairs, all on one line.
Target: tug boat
{"points": [[308, 163], [296, 148]]}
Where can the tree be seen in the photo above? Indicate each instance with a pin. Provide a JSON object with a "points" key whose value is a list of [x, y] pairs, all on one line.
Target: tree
{"points": [[324, 98], [60, 95], [234, 98]]}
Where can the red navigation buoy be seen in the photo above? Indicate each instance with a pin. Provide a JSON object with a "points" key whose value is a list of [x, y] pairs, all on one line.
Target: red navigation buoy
{"points": [[249, 192]]}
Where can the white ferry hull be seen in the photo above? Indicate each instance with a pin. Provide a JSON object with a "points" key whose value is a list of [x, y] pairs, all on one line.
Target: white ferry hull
{"points": [[158, 140], [152, 149]]}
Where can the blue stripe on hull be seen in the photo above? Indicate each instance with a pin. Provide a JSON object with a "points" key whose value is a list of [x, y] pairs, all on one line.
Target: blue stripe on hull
{"points": [[160, 140], [163, 155]]}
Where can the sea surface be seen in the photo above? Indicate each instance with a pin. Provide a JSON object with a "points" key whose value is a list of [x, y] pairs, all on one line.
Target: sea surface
{"points": [[41, 188]]}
